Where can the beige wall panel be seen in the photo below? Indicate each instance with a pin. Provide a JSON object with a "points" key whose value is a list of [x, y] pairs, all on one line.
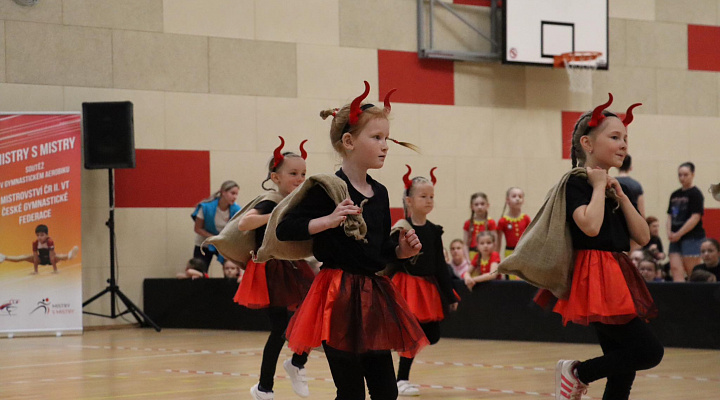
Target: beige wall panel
{"points": [[94, 189], [379, 24], [156, 61], [703, 12], [30, 97], [253, 68], [326, 72], [47, 11], [95, 235], [479, 174], [209, 122], [632, 9], [180, 241], [222, 18], [295, 120], [2, 51], [141, 236], [550, 88], [659, 138], [138, 15], [703, 134], [248, 169], [456, 131], [309, 21], [541, 176], [57, 55], [687, 92], [488, 85], [628, 86], [617, 46], [405, 126], [450, 33], [148, 111], [525, 134], [656, 44]]}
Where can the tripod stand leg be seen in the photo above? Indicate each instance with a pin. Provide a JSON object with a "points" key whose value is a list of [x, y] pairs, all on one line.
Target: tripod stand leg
{"points": [[145, 321], [90, 300]]}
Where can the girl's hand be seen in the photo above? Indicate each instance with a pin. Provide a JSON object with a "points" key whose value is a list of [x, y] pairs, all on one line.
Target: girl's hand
{"points": [[597, 177], [673, 237], [408, 244], [614, 184], [469, 282], [453, 306], [339, 215]]}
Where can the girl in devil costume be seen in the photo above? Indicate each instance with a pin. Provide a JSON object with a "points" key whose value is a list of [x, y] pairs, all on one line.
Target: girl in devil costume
{"points": [[355, 314], [607, 291], [424, 280], [278, 286]]}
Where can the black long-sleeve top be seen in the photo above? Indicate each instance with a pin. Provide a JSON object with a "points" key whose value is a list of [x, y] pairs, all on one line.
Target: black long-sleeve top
{"points": [[332, 246], [431, 260]]}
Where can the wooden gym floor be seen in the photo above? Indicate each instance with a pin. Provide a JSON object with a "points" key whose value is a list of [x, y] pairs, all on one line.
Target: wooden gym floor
{"points": [[205, 364]]}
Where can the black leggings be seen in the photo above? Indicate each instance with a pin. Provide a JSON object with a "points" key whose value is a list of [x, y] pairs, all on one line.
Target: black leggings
{"points": [[626, 349], [207, 257], [351, 371], [279, 317], [432, 331]]}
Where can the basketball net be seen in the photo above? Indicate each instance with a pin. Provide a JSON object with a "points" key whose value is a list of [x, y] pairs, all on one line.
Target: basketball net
{"points": [[579, 66]]}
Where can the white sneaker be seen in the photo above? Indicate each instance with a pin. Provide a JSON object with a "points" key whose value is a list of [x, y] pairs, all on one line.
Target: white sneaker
{"points": [[405, 388], [567, 385], [258, 395], [73, 252], [297, 378]]}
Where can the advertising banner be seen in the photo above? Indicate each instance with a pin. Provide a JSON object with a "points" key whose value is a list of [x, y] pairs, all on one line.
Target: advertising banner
{"points": [[40, 224]]}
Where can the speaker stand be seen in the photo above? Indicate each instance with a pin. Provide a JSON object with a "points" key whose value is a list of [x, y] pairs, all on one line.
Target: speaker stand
{"points": [[113, 289]]}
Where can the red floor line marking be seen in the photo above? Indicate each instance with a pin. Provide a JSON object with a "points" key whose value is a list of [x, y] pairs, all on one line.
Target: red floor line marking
{"points": [[439, 363], [460, 388]]}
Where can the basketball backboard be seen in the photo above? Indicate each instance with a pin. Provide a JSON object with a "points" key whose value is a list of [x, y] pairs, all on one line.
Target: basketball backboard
{"points": [[537, 30]]}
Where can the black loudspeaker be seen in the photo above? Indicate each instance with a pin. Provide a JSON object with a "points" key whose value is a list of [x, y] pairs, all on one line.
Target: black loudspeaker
{"points": [[108, 135]]}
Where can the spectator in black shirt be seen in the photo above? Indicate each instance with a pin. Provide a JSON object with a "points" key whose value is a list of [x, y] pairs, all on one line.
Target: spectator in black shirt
{"points": [[710, 254], [684, 224]]}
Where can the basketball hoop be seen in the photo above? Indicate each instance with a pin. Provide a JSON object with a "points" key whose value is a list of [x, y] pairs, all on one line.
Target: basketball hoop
{"points": [[579, 66]]}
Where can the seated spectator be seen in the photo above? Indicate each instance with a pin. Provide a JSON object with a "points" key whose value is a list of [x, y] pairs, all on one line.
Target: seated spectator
{"points": [[702, 275], [485, 264], [636, 256], [654, 246], [194, 269], [710, 255], [233, 271], [649, 270], [459, 264]]}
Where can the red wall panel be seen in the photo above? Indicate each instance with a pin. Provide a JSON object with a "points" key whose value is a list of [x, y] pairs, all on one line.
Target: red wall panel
{"points": [[421, 81], [481, 3], [164, 178], [711, 220], [703, 48]]}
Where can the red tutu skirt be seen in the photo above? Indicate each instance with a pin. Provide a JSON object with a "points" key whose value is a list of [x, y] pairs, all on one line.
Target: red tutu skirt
{"points": [[356, 314], [607, 288], [421, 295], [276, 283]]}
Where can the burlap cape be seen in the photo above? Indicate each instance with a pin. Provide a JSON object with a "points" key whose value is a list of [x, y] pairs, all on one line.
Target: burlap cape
{"points": [[236, 245], [544, 255], [354, 226]]}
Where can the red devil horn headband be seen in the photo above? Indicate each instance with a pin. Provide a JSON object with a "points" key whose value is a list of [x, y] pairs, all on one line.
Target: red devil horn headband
{"points": [[433, 179], [406, 178], [629, 114], [597, 114], [303, 153], [388, 107], [355, 110], [277, 154]]}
